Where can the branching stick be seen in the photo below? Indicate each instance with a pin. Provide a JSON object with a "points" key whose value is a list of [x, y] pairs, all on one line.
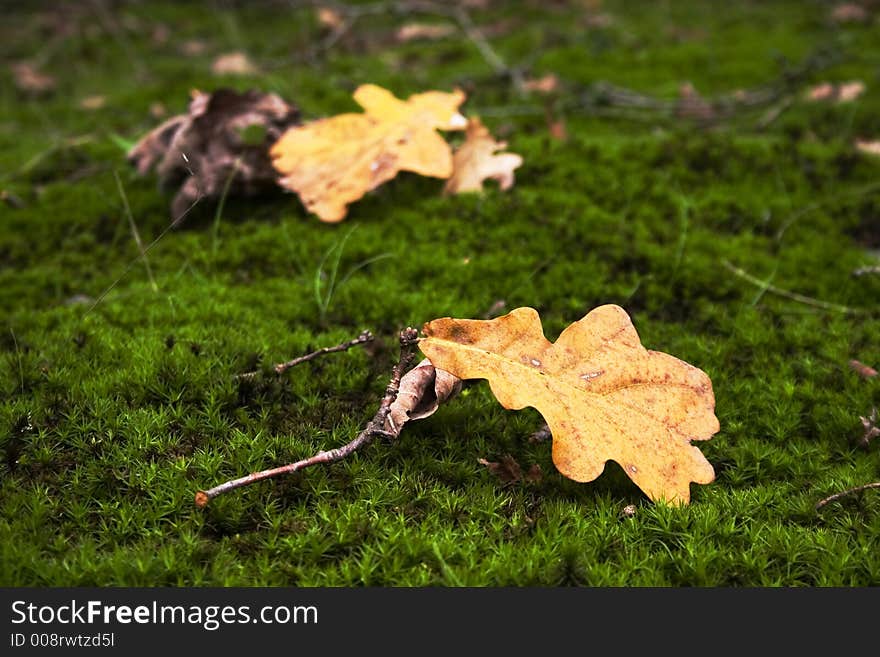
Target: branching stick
{"points": [[281, 368], [374, 428], [850, 491]]}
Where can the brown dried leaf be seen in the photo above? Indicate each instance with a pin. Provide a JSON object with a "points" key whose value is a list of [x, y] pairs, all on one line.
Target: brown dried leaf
{"points": [[510, 472], [849, 91], [93, 102], [599, 20], [234, 63], [193, 48], [12, 200], [557, 129], [870, 426], [864, 371], [534, 474], [603, 395], [476, 160], [546, 84], [30, 80], [849, 12], [423, 31], [842, 92], [208, 150], [691, 105], [160, 34], [332, 162], [422, 390], [507, 470], [867, 146], [329, 18], [822, 91], [157, 110]]}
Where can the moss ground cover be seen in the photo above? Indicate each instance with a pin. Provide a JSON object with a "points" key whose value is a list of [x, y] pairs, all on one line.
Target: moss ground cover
{"points": [[117, 392]]}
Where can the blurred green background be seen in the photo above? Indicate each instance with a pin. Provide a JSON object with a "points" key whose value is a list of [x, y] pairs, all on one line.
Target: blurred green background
{"points": [[679, 165]]}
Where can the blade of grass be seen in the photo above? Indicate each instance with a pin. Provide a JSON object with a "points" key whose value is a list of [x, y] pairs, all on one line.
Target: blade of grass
{"points": [[134, 231], [215, 230]]}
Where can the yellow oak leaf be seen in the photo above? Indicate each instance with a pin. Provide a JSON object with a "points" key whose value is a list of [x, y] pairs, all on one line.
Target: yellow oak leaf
{"points": [[476, 160], [603, 395], [332, 162]]}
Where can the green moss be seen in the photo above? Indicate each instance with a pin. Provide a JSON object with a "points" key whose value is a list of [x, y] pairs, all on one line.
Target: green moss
{"points": [[118, 401]]}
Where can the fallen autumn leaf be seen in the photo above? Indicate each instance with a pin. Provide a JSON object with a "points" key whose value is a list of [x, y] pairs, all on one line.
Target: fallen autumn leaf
{"points": [[476, 160], [206, 149], [332, 162], [603, 395]]}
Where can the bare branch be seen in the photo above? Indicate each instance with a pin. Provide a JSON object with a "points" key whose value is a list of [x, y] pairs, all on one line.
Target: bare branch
{"points": [[374, 428], [280, 368], [851, 491]]}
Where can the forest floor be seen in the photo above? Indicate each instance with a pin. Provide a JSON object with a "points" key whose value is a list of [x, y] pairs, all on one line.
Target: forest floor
{"points": [[677, 167]]}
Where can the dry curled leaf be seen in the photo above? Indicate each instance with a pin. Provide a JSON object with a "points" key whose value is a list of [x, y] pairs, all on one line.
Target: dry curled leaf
{"points": [[423, 31], [476, 160], [510, 472], [332, 162], [603, 395], [869, 424], [220, 146], [421, 392]]}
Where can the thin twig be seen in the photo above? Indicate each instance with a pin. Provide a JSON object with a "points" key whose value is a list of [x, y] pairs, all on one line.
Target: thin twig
{"points": [[374, 428], [774, 113], [281, 368], [351, 14], [794, 296], [851, 491], [476, 37]]}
